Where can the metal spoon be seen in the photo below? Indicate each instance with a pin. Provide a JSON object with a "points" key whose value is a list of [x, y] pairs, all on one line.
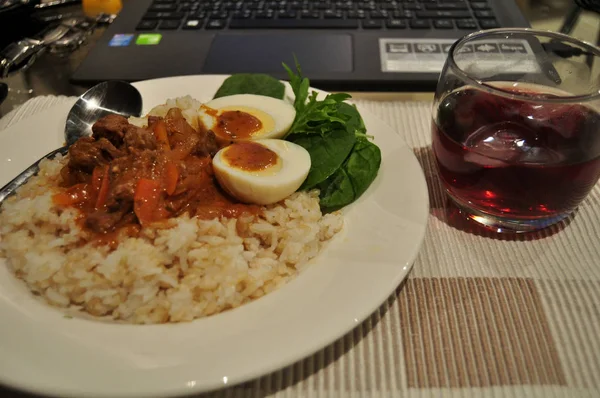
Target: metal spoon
{"points": [[112, 97]]}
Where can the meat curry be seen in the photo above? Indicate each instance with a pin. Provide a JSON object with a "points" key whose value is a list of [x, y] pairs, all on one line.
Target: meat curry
{"points": [[128, 176]]}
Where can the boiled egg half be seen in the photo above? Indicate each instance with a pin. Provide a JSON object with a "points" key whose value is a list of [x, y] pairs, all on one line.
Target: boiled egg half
{"points": [[261, 172], [247, 117]]}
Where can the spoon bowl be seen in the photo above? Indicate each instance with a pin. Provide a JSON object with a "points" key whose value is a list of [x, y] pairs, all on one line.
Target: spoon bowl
{"points": [[106, 98], [111, 97]]}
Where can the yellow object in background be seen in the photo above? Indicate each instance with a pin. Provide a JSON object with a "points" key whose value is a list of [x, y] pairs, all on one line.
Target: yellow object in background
{"points": [[92, 8]]}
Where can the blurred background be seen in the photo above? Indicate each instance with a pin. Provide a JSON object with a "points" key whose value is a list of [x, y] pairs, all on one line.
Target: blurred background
{"points": [[49, 74]]}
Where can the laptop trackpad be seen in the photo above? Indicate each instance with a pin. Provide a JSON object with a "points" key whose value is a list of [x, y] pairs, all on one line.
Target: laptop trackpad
{"points": [[230, 53]]}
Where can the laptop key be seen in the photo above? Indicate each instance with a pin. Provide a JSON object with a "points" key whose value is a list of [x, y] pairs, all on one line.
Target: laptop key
{"points": [[395, 24], [265, 14], [146, 25], [293, 24], [242, 14], [379, 14], [372, 24], [215, 24], [443, 24], [164, 15], [484, 14], [356, 15], [412, 6], [447, 6], [330, 14], [192, 24], [169, 24], [443, 14], [286, 14], [466, 24], [488, 23], [480, 6], [420, 24], [219, 15], [197, 15], [306, 14], [163, 7]]}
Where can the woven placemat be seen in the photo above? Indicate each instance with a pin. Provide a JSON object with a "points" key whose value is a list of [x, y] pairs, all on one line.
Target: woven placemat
{"points": [[480, 315]]}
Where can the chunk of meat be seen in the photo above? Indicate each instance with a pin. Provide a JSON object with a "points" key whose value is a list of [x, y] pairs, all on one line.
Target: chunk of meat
{"points": [[125, 173], [87, 153], [137, 138], [101, 221], [71, 176], [207, 146], [111, 127]]}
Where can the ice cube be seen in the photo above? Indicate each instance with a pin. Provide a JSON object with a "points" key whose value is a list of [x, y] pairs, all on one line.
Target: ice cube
{"points": [[507, 143]]}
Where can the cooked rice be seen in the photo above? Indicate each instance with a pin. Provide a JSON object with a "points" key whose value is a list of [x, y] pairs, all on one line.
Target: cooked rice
{"points": [[191, 269]]}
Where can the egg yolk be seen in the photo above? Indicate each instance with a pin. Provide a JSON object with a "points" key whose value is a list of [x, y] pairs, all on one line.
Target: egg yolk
{"points": [[250, 156], [237, 124]]}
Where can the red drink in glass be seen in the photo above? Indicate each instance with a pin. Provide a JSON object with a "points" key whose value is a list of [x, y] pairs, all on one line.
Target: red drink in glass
{"points": [[515, 158]]}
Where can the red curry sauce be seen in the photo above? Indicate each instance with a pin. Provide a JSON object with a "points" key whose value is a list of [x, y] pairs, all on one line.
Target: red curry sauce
{"points": [[125, 177]]}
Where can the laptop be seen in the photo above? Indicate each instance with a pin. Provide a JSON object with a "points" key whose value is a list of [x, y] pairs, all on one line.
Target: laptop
{"points": [[378, 45]]}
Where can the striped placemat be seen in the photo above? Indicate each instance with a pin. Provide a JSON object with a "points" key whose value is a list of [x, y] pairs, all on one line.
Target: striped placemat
{"points": [[480, 315]]}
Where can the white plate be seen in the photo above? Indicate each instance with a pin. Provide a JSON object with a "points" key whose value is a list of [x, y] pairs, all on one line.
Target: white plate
{"points": [[44, 352]]}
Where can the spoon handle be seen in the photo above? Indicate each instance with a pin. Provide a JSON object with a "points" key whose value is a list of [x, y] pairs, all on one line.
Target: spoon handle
{"points": [[32, 170]]}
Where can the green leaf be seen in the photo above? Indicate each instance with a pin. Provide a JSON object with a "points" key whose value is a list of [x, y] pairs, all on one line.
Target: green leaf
{"points": [[299, 86], [344, 161], [354, 121], [337, 190], [320, 116], [351, 180], [327, 153], [251, 83], [363, 165]]}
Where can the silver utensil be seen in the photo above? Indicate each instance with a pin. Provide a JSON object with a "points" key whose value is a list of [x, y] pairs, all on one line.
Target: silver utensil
{"points": [[112, 97]]}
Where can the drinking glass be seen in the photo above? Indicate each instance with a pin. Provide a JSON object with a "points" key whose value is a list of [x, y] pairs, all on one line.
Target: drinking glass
{"points": [[516, 126]]}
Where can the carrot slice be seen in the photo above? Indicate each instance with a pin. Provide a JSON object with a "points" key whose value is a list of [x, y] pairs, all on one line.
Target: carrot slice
{"points": [[103, 191], [97, 178], [146, 201], [160, 132], [171, 177], [72, 196]]}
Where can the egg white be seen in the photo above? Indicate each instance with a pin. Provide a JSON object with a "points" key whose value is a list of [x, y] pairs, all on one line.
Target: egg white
{"points": [[275, 115], [265, 186]]}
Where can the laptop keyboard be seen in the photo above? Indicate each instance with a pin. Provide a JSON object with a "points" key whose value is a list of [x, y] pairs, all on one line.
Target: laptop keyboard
{"points": [[318, 14]]}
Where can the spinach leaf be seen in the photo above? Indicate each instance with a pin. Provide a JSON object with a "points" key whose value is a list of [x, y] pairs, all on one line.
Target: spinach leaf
{"points": [[351, 180], [327, 153], [299, 85], [320, 116], [354, 122], [363, 164], [251, 83], [337, 191]]}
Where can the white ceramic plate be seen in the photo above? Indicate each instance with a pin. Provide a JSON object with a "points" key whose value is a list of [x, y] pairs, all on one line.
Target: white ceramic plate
{"points": [[44, 352]]}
